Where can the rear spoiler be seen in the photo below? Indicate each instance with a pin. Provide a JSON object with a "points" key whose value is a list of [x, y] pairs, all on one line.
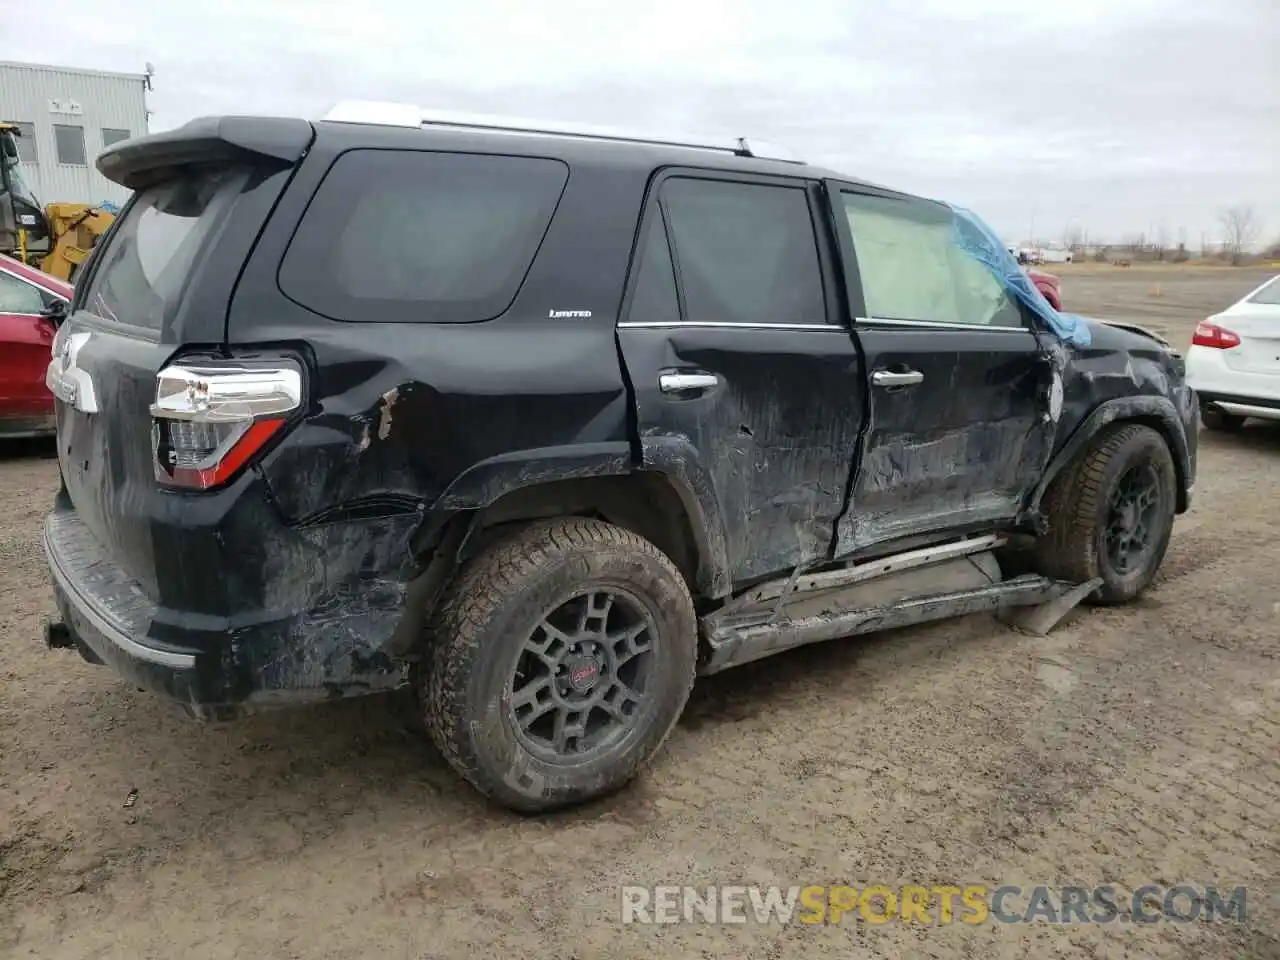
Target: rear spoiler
{"points": [[140, 161]]}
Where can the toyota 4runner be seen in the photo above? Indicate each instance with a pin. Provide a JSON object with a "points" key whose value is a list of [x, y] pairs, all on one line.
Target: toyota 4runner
{"points": [[546, 421]]}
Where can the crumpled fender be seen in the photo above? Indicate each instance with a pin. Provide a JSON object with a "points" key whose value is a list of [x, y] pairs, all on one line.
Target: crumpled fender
{"points": [[1159, 409]]}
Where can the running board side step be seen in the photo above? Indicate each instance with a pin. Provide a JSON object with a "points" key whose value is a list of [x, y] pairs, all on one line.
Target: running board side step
{"points": [[866, 570], [734, 644]]}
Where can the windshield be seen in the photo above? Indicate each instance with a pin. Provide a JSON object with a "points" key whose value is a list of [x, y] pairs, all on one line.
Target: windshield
{"points": [[14, 179], [1269, 295], [144, 269]]}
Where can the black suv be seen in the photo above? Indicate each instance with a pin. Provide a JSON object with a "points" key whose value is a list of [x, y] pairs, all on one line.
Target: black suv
{"points": [[545, 421]]}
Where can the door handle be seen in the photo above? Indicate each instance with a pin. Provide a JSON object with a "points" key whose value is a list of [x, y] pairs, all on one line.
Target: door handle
{"points": [[888, 378], [686, 382]]}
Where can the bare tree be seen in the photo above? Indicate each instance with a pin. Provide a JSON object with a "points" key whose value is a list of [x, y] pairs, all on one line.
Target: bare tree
{"points": [[1240, 226], [1073, 238]]}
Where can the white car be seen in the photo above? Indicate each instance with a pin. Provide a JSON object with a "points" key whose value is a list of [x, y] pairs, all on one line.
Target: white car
{"points": [[1234, 360]]}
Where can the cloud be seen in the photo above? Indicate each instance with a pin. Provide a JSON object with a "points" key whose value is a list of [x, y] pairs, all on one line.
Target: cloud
{"points": [[1118, 117]]}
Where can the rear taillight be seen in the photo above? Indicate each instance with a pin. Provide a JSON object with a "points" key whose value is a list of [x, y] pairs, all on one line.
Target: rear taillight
{"points": [[211, 418], [1213, 336]]}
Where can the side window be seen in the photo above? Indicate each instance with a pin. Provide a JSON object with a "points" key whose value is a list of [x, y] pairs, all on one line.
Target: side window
{"points": [[910, 269], [654, 299], [18, 296], [746, 253], [415, 236]]}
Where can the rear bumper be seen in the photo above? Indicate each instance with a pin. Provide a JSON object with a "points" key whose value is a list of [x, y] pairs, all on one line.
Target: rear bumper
{"points": [[108, 618], [1232, 391], [214, 669]]}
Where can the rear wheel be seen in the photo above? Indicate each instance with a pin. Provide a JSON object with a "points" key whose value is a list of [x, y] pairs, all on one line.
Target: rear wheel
{"points": [[1215, 419], [563, 657], [1111, 514]]}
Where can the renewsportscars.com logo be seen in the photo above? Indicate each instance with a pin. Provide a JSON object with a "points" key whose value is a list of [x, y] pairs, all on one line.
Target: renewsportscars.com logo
{"points": [[937, 905]]}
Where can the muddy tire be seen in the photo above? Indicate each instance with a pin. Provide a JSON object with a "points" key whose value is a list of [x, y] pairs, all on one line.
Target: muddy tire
{"points": [[1111, 514], [1219, 420], [563, 656]]}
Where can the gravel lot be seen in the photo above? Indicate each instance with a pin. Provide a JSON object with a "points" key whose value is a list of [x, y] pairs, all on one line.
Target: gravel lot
{"points": [[1137, 745]]}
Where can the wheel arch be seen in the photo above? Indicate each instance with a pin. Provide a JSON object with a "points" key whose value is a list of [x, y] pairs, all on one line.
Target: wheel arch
{"points": [[1158, 413], [650, 503]]}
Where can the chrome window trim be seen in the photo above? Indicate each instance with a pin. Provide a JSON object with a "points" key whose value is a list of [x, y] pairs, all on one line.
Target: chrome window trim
{"points": [[940, 324], [724, 324]]}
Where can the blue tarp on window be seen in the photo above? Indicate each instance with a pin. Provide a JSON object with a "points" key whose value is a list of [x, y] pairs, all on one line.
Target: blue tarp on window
{"points": [[972, 235]]}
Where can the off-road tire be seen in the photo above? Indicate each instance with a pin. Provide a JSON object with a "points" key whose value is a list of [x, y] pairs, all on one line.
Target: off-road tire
{"points": [[480, 628], [1220, 420], [1077, 505]]}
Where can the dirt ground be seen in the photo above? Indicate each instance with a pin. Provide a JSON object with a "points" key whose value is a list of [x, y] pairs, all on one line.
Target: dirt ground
{"points": [[1132, 746], [1166, 298]]}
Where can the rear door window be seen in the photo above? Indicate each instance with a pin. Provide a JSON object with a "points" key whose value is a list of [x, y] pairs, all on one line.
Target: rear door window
{"points": [[655, 299], [746, 252], [394, 235], [139, 277]]}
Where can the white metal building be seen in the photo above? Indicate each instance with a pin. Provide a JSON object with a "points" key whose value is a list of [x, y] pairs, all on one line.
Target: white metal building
{"points": [[67, 117]]}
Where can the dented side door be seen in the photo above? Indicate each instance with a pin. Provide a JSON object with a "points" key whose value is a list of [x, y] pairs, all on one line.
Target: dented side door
{"points": [[748, 388], [962, 415]]}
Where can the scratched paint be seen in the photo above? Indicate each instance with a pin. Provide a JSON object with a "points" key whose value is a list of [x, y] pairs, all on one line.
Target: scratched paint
{"points": [[771, 445]]}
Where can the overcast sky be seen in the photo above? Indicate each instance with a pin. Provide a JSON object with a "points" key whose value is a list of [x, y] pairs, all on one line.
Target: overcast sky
{"points": [[1116, 116]]}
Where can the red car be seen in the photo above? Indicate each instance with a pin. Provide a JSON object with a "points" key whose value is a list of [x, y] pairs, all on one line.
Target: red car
{"points": [[1049, 285], [31, 306]]}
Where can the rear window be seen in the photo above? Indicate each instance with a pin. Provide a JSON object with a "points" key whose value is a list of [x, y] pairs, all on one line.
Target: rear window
{"points": [[409, 236], [139, 277]]}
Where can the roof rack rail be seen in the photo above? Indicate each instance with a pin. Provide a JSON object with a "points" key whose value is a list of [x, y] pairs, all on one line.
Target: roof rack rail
{"points": [[408, 115]]}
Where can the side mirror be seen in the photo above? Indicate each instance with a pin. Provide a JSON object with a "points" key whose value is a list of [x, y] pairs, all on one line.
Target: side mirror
{"points": [[55, 311]]}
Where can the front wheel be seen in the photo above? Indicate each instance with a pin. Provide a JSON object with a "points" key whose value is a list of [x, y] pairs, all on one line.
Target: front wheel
{"points": [[1111, 514], [562, 658]]}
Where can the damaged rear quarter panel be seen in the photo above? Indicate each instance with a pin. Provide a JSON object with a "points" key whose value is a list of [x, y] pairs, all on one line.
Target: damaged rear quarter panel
{"points": [[438, 419], [409, 423], [402, 424]]}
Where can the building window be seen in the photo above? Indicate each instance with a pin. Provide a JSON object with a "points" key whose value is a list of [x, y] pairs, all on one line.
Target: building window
{"points": [[110, 136], [69, 140], [26, 141]]}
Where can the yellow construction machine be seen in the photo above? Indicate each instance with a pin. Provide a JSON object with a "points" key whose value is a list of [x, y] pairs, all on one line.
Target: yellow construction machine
{"points": [[57, 238]]}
